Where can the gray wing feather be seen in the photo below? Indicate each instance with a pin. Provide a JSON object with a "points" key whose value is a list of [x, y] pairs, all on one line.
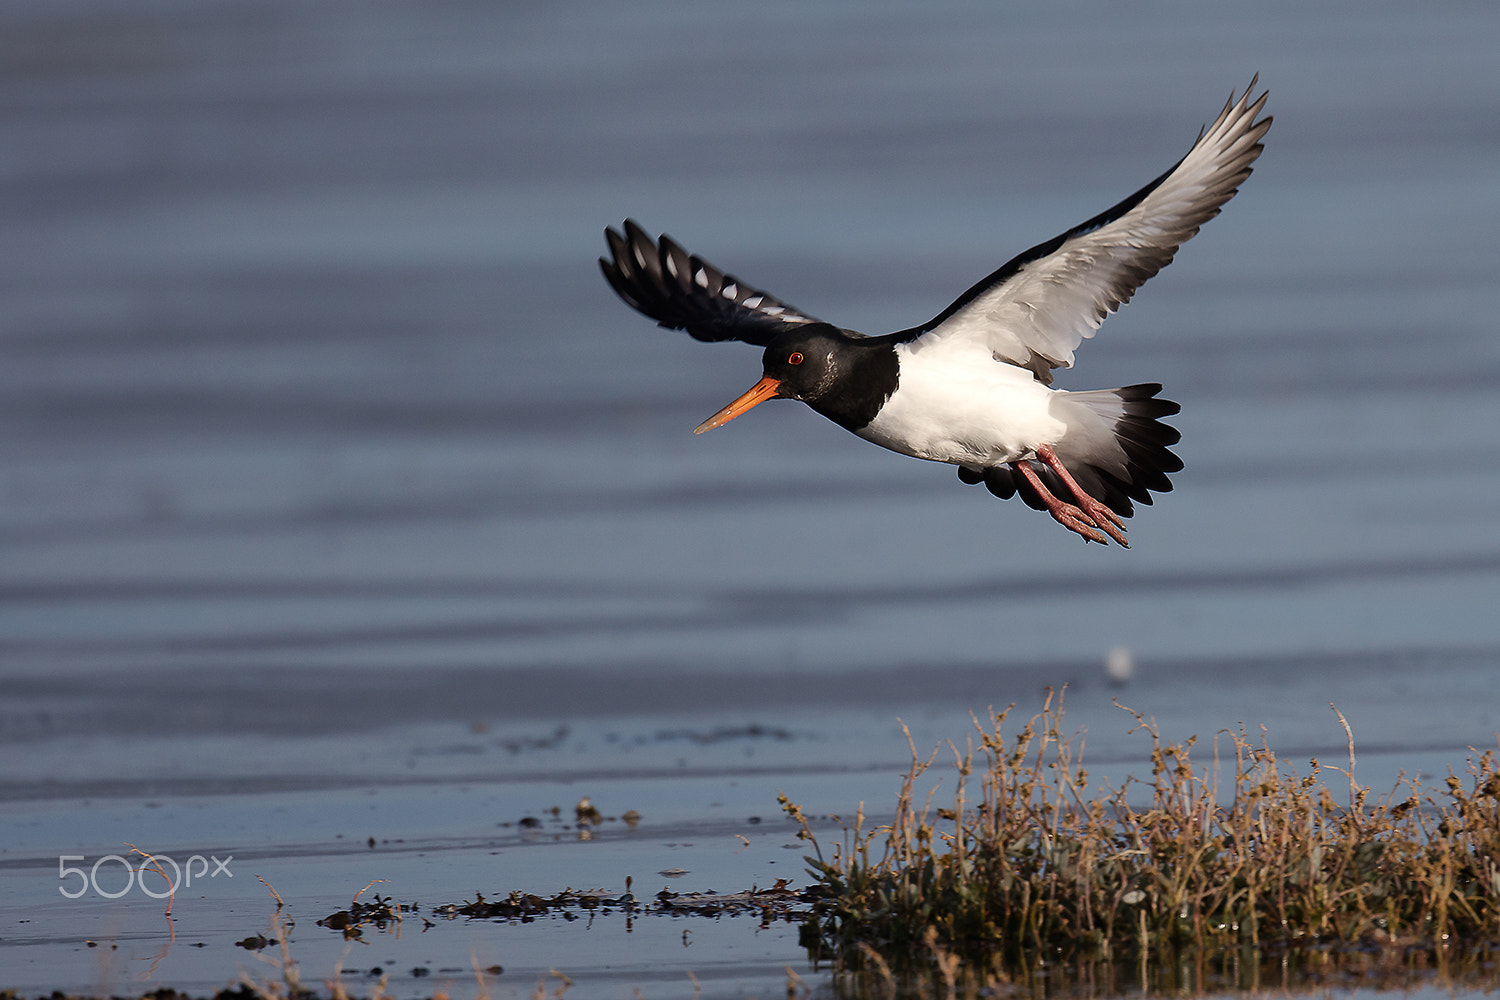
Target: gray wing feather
{"points": [[1036, 310]]}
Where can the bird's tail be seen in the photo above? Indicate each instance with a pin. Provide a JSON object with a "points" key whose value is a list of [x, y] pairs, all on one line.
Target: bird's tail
{"points": [[1116, 448]]}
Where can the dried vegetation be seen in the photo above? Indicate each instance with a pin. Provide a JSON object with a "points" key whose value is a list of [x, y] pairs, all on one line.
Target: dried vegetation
{"points": [[1242, 856]]}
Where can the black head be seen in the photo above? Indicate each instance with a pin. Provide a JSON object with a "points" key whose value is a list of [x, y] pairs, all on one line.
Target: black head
{"points": [[846, 378], [805, 362]]}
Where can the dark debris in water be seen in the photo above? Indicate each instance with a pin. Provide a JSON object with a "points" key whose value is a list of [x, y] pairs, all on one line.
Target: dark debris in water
{"points": [[241, 992], [586, 816], [559, 737], [754, 731], [778, 902], [380, 912], [255, 942]]}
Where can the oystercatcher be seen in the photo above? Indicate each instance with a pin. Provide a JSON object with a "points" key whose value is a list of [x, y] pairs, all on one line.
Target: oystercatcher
{"points": [[972, 386]]}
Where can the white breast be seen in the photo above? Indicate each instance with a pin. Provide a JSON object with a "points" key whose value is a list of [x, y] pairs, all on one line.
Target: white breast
{"points": [[954, 403]]}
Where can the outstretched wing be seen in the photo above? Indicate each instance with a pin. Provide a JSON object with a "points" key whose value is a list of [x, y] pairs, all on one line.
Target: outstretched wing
{"points": [[1036, 310], [683, 292]]}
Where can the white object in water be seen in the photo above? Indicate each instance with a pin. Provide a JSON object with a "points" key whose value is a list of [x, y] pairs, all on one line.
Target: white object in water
{"points": [[1119, 665]]}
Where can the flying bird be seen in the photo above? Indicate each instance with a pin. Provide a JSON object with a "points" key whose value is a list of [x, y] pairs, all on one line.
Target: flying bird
{"points": [[972, 386]]}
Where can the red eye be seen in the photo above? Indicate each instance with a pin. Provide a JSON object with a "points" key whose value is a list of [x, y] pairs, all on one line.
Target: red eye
{"points": [[795, 358]]}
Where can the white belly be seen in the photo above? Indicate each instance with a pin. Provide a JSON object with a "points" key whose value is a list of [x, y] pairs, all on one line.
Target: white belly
{"points": [[964, 408]]}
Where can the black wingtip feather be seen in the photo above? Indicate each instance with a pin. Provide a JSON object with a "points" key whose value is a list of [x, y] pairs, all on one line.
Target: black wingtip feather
{"points": [[1148, 462], [681, 291], [1145, 441]]}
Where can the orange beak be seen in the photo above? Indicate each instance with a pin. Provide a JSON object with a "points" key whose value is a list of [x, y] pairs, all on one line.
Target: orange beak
{"points": [[763, 390]]}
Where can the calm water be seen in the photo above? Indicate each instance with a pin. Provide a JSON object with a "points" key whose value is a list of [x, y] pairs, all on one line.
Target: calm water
{"points": [[340, 499]]}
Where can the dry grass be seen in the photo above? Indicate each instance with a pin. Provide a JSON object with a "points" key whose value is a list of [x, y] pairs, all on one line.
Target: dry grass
{"points": [[1044, 866]]}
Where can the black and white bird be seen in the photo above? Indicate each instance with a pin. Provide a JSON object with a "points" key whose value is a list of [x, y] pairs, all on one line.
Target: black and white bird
{"points": [[972, 386]]}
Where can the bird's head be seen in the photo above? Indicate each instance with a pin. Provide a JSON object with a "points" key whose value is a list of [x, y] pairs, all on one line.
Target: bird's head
{"points": [[799, 364]]}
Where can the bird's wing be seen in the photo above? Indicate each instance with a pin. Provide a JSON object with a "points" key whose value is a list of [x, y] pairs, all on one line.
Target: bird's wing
{"points": [[683, 292], [1035, 310]]}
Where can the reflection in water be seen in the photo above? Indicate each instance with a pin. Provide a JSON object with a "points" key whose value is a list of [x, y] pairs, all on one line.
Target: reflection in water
{"points": [[1282, 972]]}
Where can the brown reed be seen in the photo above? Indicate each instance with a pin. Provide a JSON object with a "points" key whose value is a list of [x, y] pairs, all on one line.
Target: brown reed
{"points": [[1043, 864]]}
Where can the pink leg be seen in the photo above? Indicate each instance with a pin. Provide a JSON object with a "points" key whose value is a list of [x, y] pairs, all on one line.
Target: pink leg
{"points": [[1066, 514], [1098, 513], [1075, 519]]}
